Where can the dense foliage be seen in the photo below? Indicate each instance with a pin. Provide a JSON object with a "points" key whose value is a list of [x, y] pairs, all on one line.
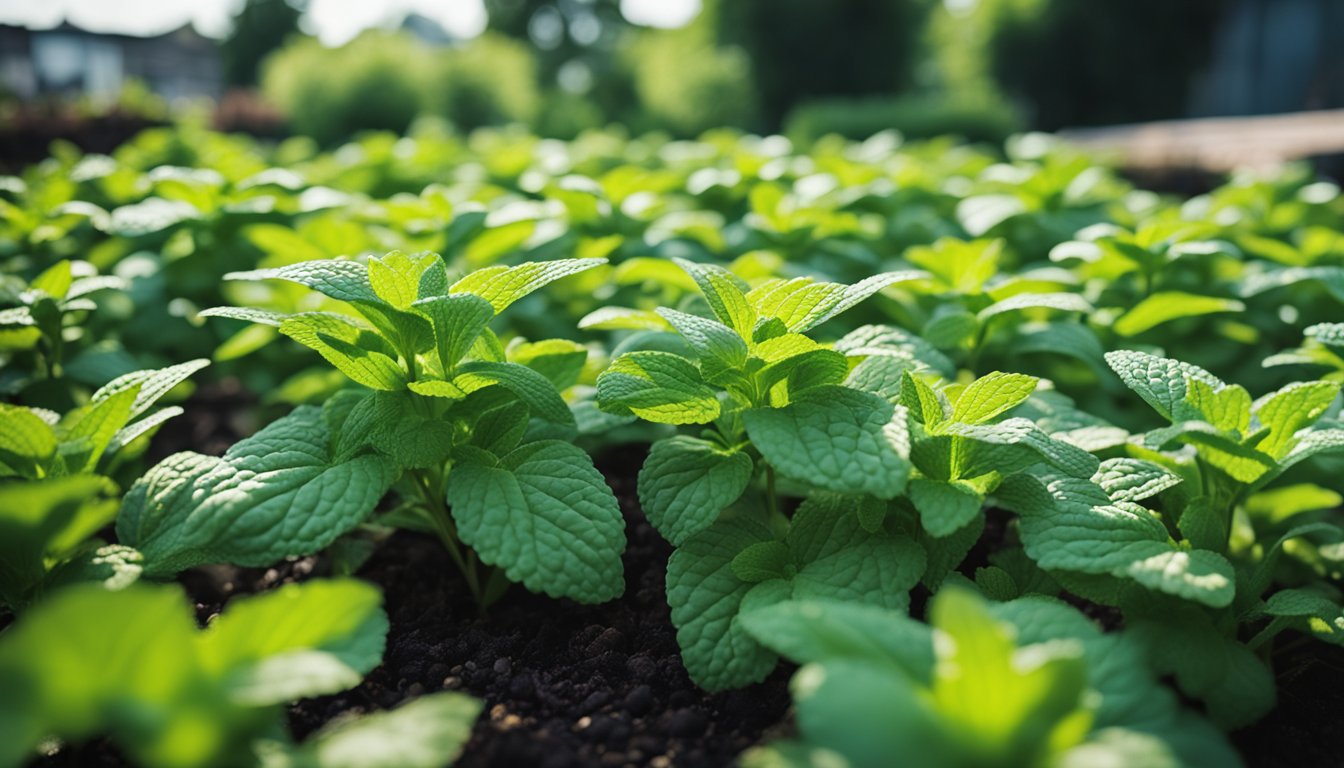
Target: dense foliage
{"points": [[912, 414]]}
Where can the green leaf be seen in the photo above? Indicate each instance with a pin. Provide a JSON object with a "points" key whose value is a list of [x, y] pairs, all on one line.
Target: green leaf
{"points": [[719, 347], [686, 482], [763, 561], [1220, 671], [1126, 479], [153, 384], [345, 345], [725, 293], [1228, 409], [297, 641], [561, 361], [544, 515], [944, 507], [397, 426], [1059, 302], [817, 630], [1159, 381], [1290, 409], [836, 438], [657, 386], [502, 286], [1011, 445], [428, 732], [458, 320], [623, 319], [395, 278], [1071, 524], [706, 597], [991, 395], [803, 303], [1165, 306], [43, 522], [340, 279], [276, 494], [250, 314], [27, 444], [86, 431], [55, 280], [535, 390]]}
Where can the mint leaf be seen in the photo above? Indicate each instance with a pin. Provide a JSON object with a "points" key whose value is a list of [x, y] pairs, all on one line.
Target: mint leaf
{"points": [[944, 507], [991, 395], [657, 386], [1159, 381], [297, 641], [686, 482], [725, 293], [544, 515], [836, 438], [529, 386], [396, 277], [27, 444], [458, 320], [276, 494], [501, 286], [1165, 306], [341, 280], [706, 597]]}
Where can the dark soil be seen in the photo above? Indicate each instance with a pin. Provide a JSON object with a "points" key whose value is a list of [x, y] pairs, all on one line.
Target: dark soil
{"points": [[564, 684], [1306, 727]]}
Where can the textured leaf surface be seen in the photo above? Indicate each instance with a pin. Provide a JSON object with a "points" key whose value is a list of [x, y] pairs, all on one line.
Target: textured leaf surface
{"points": [[544, 515], [273, 495], [428, 732], [657, 386], [686, 482], [501, 286], [837, 438]]}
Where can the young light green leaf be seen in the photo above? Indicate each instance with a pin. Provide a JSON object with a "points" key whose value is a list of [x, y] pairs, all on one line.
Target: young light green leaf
{"points": [[346, 346], [27, 444], [153, 384], [623, 319], [1059, 302], [501, 285], [725, 293], [1165, 306], [1290, 409], [657, 386], [396, 277], [991, 395], [544, 515]]}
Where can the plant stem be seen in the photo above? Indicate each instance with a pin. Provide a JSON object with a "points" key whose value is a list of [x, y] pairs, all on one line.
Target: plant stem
{"points": [[447, 532]]}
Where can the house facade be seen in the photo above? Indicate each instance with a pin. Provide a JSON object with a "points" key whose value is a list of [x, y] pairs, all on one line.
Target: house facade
{"points": [[68, 61]]}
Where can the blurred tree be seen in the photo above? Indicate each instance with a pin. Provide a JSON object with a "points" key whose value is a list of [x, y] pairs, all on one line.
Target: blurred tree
{"points": [[803, 49], [260, 27], [1093, 62], [687, 84]]}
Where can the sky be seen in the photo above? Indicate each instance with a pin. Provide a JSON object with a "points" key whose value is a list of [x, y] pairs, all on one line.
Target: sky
{"points": [[333, 21]]}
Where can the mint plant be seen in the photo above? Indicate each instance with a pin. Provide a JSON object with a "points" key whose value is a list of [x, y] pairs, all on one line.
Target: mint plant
{"points": [[476, 443], [133, 665], [1190, 568], [35, 315], [773, 400], [1027, 682], [775, 403]]}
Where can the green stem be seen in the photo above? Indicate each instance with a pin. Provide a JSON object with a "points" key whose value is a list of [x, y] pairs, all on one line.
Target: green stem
{"points": [[447, 532]]}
